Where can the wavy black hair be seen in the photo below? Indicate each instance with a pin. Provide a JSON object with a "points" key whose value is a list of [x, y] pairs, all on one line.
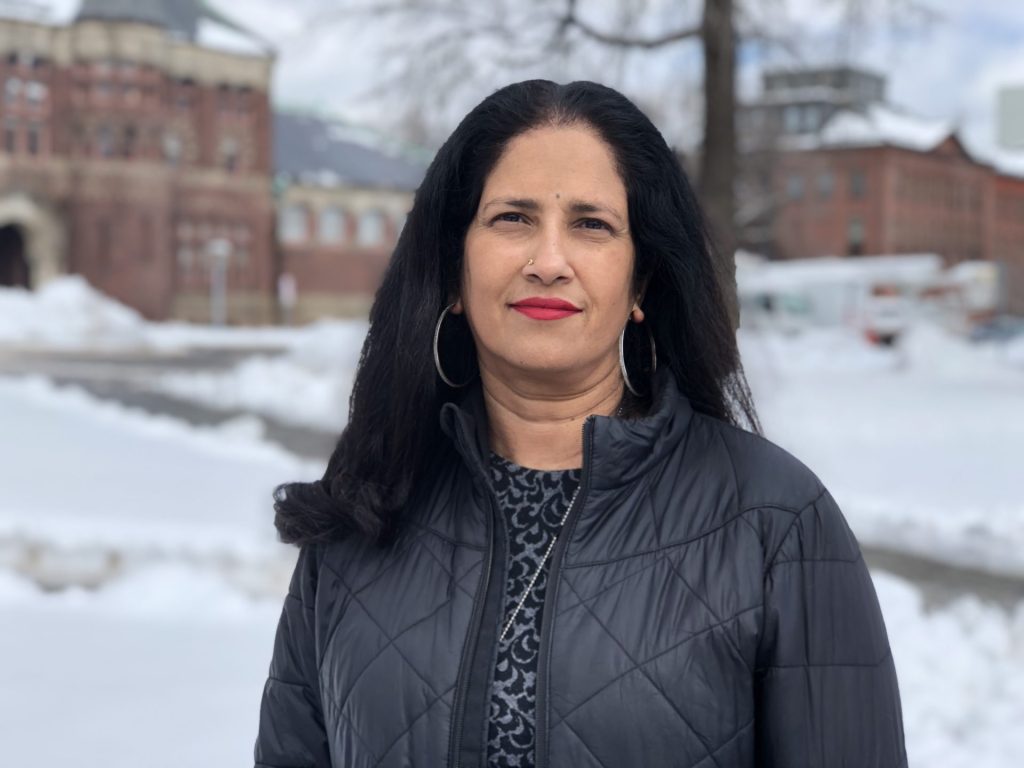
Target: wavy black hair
{"points": [[393, 431]]}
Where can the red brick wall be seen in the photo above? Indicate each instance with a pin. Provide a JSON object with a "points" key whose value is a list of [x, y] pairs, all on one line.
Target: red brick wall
{"points": [[939, 202], [101, 162]]}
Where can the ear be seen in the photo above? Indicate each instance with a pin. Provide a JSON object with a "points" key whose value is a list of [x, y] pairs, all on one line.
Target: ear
{"points": [[637, 314], [457, 308]]}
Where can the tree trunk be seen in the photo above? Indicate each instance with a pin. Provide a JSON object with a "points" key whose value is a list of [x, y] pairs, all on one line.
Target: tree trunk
{"points": [[718, 158]]}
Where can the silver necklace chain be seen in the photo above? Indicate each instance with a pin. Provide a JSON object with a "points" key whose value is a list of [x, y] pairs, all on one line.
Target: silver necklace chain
{"points": [[547, 552], [540, 567]]}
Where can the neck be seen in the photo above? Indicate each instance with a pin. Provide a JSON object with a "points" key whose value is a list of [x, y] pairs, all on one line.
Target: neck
{"points": [[537, 428]]}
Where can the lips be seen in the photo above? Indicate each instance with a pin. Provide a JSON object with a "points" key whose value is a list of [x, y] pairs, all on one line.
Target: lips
{"points": [[539, 308]]}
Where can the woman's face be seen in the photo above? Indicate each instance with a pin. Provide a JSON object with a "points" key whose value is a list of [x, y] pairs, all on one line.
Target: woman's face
{"points": [[552, 226]]}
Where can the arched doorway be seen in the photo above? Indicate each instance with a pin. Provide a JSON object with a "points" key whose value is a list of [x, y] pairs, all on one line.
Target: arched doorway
{"points": [[14, 266]]}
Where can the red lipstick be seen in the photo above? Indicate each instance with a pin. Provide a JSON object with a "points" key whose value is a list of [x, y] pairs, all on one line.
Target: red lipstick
{"points": [[539, 308]]}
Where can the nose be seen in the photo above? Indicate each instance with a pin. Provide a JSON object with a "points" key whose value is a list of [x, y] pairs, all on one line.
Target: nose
{"points": [[548, 260]]}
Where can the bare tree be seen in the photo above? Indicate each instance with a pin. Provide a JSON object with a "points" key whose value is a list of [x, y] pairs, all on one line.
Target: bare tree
{"points": [[439, 47]]}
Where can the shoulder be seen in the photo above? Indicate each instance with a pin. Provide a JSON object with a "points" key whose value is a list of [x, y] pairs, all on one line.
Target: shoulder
{"points": [[779, 495]]}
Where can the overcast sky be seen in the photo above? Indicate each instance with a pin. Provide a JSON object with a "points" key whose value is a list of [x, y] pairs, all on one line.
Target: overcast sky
{"points": [[950, 67], [947, 67]]}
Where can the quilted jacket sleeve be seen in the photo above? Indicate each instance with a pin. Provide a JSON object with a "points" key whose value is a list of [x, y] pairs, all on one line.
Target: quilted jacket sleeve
{"points": [[291, 729], [826, 688]]}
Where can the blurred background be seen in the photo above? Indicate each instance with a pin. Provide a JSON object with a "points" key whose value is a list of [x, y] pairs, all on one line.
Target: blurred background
{"points": [[198, 199]]}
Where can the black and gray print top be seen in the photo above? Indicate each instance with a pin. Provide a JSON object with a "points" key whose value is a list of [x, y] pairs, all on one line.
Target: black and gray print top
{"points": [[532, 502]]}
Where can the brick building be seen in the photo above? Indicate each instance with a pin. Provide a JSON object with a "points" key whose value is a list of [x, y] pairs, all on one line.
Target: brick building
{"points": [[832, 169], [883, 182], [341, 204], [136, 152]]}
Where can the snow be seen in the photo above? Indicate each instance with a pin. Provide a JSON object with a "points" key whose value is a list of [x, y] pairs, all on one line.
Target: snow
{"points": [[309, 386], [164, 579], [883, 124], [67, 313], [170, 664], [920, 444], [163, 668], [215, 34], [96, 484], [961, 677]]}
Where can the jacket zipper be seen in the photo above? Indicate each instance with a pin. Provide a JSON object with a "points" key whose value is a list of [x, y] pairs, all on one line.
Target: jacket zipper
{"points": [[476, 621], [540, 744], [469, 651]]}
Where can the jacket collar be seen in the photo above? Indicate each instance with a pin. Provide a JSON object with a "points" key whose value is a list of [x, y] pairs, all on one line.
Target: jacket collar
{"points": [[621, 450]]}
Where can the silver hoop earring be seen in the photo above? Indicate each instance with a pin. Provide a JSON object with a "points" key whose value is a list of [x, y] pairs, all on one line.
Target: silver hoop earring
{"points": [[437, 354], [622, 358]]}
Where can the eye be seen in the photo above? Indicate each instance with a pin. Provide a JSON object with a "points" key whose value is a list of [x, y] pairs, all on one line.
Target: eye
{"points": [[513, 217], [595, 224]]}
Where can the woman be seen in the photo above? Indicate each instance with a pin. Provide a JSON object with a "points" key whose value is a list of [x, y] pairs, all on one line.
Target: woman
{"points": [[544, 538]]}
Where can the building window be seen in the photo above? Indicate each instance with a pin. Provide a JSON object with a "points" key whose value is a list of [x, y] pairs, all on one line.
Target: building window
{"points": [[791, 119], [371, 229], [294, 224], [331, 227], [172, 148], [826, 183], [32, 137], [855, 237], [858, 184], [36, 92], [185, 259], [12, 89], [129, 141], [105, 141], [229, 154], [224, 98], [11, 136], [795, 186]]}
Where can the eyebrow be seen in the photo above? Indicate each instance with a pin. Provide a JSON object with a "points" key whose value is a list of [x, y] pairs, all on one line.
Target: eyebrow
{"points": [[576, 206]]}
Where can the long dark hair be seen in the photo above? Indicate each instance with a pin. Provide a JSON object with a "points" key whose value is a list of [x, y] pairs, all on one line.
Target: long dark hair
{"points": [[393, 431]]}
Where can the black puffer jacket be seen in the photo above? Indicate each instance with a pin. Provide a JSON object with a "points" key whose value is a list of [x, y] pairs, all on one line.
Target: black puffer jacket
{"points": [[707, 606]]}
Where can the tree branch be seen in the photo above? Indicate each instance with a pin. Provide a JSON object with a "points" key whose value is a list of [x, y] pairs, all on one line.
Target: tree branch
{"points": [[571, 19]]}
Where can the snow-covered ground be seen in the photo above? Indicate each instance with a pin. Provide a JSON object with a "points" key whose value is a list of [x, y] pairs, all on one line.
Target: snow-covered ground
{"points": [[91, 488], [165, 667], [309, 385], [921, 445], [165, 580]]}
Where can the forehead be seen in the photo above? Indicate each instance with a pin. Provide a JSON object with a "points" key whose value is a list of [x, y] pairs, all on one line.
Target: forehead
{"points": [[571, 161]]}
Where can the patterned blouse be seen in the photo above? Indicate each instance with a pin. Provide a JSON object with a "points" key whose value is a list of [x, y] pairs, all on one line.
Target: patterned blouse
{"points": [[532, 502]]}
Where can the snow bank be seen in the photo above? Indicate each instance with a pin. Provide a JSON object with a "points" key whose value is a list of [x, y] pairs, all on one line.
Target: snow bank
{"points": [[93, 480], [138, 652], [961, 675], [920, 444], [163, 669], [308, 386], [67, 313]]}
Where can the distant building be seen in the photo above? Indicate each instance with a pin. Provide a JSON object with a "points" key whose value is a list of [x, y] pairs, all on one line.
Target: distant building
{"points": [[793, 102], [802, 101], [136, 152], [884, 182], [140, 150], [1010, 118], [341, 205]]}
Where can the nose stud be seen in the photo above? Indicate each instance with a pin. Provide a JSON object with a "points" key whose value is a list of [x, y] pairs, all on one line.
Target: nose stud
{"points": [[529, 263]]}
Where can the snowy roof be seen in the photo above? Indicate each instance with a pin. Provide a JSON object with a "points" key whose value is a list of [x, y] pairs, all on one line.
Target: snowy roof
{"points": [[322, 151], [878, 125], [884, 125], [787, 274], [191, 20]]}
